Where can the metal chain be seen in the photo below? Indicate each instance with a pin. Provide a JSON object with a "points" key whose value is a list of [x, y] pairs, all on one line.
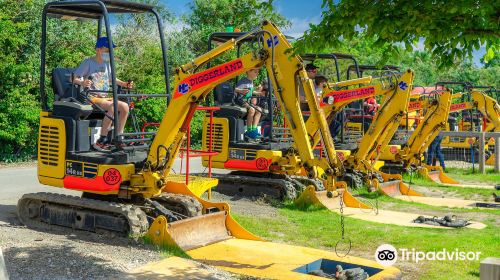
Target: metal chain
{"points": [[342, 223], [412, 171]]}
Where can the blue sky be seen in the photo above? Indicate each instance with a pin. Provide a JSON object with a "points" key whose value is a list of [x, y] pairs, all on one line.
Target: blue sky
{"points": [[299, 12]]}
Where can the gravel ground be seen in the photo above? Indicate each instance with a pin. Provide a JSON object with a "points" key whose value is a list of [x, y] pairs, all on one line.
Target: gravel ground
{"points": [[246, 206], [34, 254], [31, 254]]}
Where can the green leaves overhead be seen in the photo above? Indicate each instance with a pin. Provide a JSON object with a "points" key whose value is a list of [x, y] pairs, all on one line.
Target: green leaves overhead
{"points": [[451, 29]]}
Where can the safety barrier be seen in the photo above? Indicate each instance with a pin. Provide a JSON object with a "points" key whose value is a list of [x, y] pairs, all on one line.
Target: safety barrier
{"points": [[472, 148]]}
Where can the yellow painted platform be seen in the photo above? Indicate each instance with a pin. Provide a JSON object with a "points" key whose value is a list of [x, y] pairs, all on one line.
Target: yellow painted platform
{"points": [[396, 218], [274, 260], [388, 216], [471, 186], [173, 268], [438, 201], [198, 185]]}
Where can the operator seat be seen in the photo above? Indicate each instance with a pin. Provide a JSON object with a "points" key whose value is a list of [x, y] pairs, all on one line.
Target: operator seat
{"points": [[224, 98], [65, 96], [79, 118]]}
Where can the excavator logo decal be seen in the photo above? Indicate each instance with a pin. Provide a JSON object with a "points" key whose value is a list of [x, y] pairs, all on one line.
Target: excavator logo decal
{"points": [[208, 76], [262, 163], [402, 85], [393, 150], [270, 42], [112, 176], [183, 88]]}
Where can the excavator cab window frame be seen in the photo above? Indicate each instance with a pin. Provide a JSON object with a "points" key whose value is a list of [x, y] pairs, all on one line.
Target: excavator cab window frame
{"points": [[336, 57], [222, 37], [359, 70], [101, 10], [466, 89]]}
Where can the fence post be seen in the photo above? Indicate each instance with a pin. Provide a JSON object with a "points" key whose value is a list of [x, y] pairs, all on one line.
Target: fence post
{"points": [[481, 159], [497, 154]]}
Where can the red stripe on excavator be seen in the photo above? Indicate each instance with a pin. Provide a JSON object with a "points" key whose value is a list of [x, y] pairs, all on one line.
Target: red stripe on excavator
{"points": [[96, 184], [349, 94], [244, 164], [206, 77], [458, 107], [417, 105]]}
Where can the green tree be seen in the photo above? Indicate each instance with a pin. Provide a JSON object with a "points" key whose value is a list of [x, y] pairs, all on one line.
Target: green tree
{"points": [[209, 16], [20, 25], [451, 30]]}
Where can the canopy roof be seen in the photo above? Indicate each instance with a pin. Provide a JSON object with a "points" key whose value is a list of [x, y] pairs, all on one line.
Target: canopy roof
{"points": [[91, 9]]}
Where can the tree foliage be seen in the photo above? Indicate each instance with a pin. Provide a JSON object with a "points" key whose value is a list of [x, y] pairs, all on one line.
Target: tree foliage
{"points": [[209, 16], [450, 30], [20, 25], [425, 66]]}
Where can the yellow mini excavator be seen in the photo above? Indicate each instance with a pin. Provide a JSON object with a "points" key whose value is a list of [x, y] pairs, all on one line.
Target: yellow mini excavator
{"points": [[359, 163], [480, 112], [273, 167], [130, 191], [399, 159]]}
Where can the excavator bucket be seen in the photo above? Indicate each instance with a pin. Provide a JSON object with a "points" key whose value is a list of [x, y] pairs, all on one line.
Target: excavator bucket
{"points": [[436, 174], [216, 224], [399, 190], [393, 185], [491, 160], [329, 200], [217, 239]]}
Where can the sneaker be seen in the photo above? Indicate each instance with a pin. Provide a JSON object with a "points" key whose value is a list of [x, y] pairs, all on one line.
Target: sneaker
{"points": [[249, 135], [119, 145], [101, 146], [256, 133]]}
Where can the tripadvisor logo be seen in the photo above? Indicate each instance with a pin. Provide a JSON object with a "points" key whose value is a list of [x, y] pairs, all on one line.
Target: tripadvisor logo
{"points": [[387, 255]]}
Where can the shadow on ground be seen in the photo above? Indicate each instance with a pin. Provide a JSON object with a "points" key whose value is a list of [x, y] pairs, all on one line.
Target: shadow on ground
{"points": [[57, 262], [8, 218]]}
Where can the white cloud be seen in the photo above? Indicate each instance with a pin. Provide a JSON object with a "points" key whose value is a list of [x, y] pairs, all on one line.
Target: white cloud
{"points": [[300, 25]]}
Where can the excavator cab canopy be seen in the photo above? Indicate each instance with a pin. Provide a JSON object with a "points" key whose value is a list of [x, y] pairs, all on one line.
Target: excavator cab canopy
{"points": [[335, 57], [81, 10], [361, 69]]}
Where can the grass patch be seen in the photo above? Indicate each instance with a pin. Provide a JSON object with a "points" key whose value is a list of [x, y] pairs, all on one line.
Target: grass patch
{"points": [[464, 192], [167, 251], [321, 229], [462, 174]]}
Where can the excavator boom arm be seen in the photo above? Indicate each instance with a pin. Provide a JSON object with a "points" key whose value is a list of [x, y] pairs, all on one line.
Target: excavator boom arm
{"points": [[434, 121], [387, 119], [191, 87], [283, 68]]}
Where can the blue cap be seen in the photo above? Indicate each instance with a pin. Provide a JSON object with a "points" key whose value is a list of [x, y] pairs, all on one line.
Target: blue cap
{"points": [[103, 43]]}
